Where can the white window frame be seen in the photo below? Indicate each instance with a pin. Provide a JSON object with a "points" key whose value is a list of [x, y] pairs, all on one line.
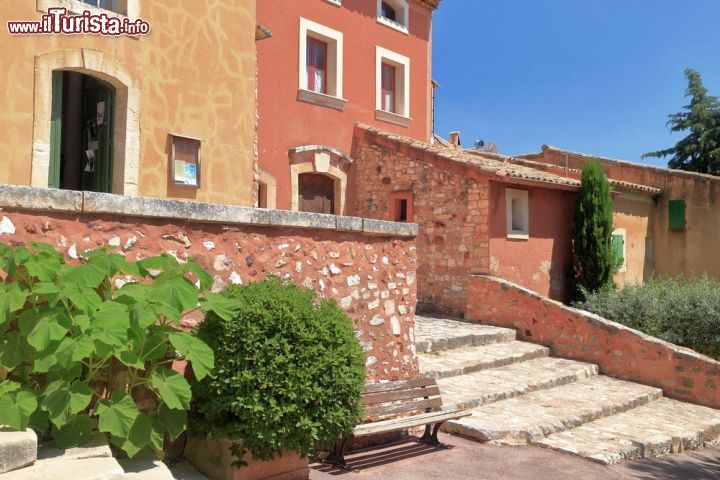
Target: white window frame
{"points": [[402, 9], [402, 87], [623, 233], [521, 196], [334, 39], [335, 2], [77, 7]]}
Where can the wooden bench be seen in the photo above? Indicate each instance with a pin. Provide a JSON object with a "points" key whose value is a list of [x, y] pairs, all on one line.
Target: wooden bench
{"points": [[419, 397]]}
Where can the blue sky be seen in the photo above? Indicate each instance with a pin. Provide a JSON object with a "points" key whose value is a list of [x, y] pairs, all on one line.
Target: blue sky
{"points": [[596, 76]]}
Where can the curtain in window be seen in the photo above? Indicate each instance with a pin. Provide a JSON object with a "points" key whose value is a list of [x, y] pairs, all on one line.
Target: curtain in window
{"points": [[388, 88], [317, 65]]}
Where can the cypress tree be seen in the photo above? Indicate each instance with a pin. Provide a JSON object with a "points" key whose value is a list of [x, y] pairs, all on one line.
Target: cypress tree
{"points": [[593, 259]]}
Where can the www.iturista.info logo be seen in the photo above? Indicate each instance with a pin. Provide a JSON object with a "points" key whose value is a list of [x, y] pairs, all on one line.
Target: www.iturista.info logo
{"points": [[57, 21]]}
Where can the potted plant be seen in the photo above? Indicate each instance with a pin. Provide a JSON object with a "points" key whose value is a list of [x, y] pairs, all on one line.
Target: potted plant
{"points": [[289, 374]]}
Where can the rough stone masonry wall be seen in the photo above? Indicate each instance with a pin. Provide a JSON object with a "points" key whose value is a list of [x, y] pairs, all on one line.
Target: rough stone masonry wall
{"points": [[450, 206], [618, 350], [367, 266]]}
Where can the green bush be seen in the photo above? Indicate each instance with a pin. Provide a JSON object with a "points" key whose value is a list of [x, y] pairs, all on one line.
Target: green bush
{"points": [[289, 373], [684, 311], [83, 353]]}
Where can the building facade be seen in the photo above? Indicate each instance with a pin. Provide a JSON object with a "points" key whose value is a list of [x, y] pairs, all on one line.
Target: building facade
{"points": [[329, 65], [170, 113], [671, 233]]}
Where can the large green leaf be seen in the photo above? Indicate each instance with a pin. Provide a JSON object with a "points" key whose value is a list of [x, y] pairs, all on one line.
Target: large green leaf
{"points": [[195, 351], [13, 351], [87, 275], [85, 299], [73, 350], [16, 408], [12, 299], [176, 292], [173, 388], [46, 331], [154, 347], [224, 307], [157, 435], [205, 279], [110, 324], [78, 431], [174, 421], [64, 403], [117, 415], [139, 436]]}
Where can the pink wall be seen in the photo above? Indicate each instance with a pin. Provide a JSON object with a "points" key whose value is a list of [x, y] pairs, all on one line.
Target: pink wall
{"points": [[538, 263], [286, 122]]}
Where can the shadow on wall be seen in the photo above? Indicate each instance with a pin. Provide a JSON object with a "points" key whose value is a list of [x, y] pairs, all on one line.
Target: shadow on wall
{"points": [[540, 261]]}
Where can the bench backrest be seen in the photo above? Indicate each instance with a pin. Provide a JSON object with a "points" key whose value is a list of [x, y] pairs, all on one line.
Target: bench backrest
{"points": [[406, 396]]}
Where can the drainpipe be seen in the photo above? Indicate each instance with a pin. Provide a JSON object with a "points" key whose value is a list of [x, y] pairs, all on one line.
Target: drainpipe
{"points": [[433, 88]]}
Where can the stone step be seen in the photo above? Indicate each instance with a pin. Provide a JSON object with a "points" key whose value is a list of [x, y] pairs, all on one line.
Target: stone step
{"points": [[530, 417], [661, 427], [90, 462], [144, 466], [450, 363], [434, 334], [17, 449], [495, 384]]}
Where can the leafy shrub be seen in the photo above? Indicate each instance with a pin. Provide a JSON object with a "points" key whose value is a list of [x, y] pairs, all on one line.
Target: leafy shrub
{"points": [[289, 373], [684, 311], [83, 353]]}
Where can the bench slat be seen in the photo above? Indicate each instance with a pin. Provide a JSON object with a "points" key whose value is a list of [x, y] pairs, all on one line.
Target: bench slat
{"points": [[396, 424], [399, 385], [371, 399], [394, 408]]}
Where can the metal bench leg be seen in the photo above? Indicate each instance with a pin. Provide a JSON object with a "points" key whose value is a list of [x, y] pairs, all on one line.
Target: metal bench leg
{"points": [[337, 456], [431, 434]]}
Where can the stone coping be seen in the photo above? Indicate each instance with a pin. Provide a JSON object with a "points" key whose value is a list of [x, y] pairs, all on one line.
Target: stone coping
{"points": [[70, 201], [598, 321]]}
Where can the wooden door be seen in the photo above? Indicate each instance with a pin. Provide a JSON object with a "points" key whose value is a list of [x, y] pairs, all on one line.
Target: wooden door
{"points": [[56, 130], [98, 113], [317, 193]]}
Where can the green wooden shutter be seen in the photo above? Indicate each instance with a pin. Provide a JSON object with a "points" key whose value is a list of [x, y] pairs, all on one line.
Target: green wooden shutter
{"points": [[55, 130], [676, 209], [618, 246]]}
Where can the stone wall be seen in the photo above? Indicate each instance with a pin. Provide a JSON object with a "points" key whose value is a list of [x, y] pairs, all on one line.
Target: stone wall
{"points": [[618, 350], [449, 204], [368, 266]]}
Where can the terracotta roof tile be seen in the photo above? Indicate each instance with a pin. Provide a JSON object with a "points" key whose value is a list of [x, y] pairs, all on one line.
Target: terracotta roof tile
{"points": [[499, 165]]}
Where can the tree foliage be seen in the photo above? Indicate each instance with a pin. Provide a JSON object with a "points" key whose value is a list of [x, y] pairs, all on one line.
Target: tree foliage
{"points": [[699, 151], [593, 262], [289, 374], [88, 348]]}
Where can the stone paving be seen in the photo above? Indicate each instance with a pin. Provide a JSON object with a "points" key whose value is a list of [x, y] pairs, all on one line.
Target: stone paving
{"points": [[661, 427], [492, 385], [520, 395], [451, 363], [436, 334]]}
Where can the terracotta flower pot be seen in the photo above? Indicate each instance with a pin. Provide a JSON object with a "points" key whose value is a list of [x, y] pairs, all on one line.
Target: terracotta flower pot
{"points": [[213, 459]]}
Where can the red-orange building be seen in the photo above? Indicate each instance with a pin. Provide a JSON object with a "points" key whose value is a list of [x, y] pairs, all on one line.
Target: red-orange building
{"points": [[329, 65]]}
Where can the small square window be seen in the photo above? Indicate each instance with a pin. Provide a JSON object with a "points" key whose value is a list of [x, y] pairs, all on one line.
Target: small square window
{"points": [[517, 214], [401, 207], [185, 161], [394, 14], [117, 6]]}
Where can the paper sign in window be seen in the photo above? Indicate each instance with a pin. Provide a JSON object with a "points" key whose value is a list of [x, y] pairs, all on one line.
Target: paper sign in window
{"points": [[185, 161]]}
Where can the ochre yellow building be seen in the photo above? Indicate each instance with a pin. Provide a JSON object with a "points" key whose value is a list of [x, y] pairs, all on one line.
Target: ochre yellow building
{"points": [[167, 114]]}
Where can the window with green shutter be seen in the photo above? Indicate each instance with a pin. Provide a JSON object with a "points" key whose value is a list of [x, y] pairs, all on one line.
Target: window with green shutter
{"points": [[618, 246], [676, 209]]}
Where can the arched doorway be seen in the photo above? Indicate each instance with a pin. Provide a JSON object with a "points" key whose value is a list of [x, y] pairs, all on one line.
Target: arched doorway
{"points": [[81, 138], [316, 193]]}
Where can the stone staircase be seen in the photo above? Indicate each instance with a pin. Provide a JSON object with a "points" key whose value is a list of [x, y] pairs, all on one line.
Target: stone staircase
{"points": [[520, 395]]}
